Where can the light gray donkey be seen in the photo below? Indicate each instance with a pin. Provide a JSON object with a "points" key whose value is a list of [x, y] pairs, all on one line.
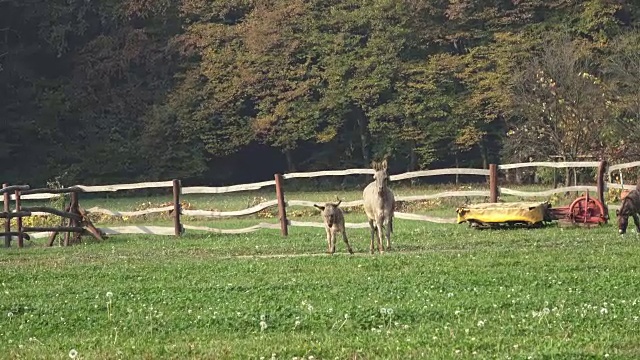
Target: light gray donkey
{"points": [[333, 224], [379, 204]]}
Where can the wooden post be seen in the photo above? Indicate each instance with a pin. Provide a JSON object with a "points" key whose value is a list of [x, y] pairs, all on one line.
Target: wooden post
{"points": [[177, 189], [73, 208], [493, 183], [282, 211], [602, 169], [7, 221], [19, 220]]}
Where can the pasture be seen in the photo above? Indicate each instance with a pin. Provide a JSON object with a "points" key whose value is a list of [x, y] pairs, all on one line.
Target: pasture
{"points": [[445, 291]]}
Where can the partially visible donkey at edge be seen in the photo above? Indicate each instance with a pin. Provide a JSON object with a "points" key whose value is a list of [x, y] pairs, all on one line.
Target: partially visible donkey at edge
{"points": [[630, 207], [333, 224], [379, 204]]}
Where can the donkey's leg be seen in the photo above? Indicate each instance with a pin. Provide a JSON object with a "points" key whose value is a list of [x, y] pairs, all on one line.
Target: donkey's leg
{"points": [[328, 231], [333, 240], [636, 221], [388, 233], [373, 233], [346, 241], [380, 236]]}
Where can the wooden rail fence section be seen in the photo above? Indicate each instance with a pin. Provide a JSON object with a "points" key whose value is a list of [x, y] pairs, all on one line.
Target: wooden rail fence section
{"points": [[77, 217]]}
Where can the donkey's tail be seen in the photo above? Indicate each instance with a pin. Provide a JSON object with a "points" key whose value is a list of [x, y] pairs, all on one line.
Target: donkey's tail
{"points": [[391, 224]]}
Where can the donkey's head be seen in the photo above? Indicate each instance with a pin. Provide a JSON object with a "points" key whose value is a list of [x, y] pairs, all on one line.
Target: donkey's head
{"points": [[381, 176], [623, 222], [329, 211]]}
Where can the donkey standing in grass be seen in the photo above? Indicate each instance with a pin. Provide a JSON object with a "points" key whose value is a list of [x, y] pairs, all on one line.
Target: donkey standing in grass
{"points": [[630, 207], [333, 224], [379, 204]]}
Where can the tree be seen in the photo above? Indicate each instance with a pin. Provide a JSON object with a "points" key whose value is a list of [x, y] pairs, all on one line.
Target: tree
{"points": [[623, 75], [561, 104]]}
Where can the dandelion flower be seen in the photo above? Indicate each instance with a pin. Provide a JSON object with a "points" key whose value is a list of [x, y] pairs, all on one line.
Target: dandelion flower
{"points": [[383, 311], [389, 311], [10, 314], [73, 353], [109, 294]]}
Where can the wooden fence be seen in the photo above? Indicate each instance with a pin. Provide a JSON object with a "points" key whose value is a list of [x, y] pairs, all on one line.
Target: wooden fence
{"points": [[79, 216]]}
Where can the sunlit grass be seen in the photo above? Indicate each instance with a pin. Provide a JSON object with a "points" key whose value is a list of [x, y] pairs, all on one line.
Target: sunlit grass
{"points": [[444, 291]]}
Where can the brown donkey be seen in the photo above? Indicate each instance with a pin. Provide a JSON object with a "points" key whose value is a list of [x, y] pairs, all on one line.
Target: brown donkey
{"points": [[379, 204], [333, 224], [630, 207]]}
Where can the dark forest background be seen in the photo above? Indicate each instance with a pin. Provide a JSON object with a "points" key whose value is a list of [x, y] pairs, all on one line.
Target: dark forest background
{"points": [[231, 91]]}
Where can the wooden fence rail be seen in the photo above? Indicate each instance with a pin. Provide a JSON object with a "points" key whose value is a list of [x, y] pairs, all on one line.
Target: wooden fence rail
{"points": [[76, 214]]}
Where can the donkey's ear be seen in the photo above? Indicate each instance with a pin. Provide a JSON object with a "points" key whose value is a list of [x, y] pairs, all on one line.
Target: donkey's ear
{"points": [[384, 164], [319, 207]]}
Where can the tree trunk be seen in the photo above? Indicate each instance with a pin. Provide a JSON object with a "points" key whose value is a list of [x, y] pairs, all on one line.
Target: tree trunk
{"points": [[363, 125], [483, 155], [290, 165], [413, 161], [413, 157], [457, 166]]}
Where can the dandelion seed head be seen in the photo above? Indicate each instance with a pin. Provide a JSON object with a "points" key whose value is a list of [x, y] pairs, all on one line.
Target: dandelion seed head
{"points": [[109, 294], [73, 353]]}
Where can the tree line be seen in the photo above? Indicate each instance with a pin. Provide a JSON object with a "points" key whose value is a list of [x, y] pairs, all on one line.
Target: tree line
{"points": [[228, 91]]}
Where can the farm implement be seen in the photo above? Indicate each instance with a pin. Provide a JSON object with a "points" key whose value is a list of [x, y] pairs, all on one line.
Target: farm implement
{"points": [[584, 211]]}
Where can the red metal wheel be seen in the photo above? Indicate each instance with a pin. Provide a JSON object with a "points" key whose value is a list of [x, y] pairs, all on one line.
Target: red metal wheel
{"points": [[586, 209]]}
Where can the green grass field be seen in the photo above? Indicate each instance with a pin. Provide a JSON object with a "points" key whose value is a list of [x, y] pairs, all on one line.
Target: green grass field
{"points": [[445, 291]]}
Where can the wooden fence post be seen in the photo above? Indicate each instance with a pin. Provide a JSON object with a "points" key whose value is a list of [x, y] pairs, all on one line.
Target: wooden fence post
{"points": [[19, 219], [73, 208], [493, 183], [600, 183], [177, 189], [282, 211], [7, 221]]}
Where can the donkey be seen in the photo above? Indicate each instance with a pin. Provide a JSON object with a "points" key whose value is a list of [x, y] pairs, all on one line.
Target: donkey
{"points": [[630, 207], [379, 204], [333, 224]]}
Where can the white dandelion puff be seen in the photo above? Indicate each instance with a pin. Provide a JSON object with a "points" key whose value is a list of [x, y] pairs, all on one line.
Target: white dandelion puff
{"points": [[603, 310], [109, 294], [73, 353]]}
